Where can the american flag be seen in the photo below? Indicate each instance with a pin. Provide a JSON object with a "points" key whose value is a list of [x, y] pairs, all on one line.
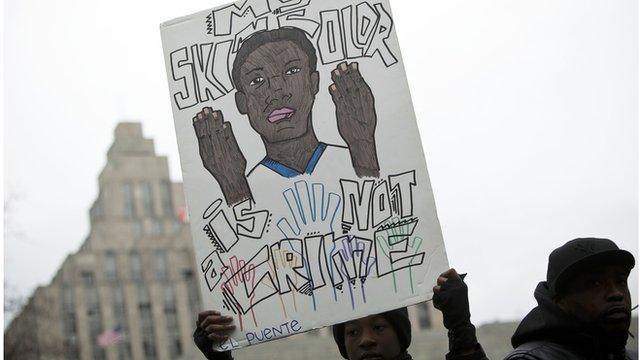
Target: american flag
{"points": [[110, 337]]}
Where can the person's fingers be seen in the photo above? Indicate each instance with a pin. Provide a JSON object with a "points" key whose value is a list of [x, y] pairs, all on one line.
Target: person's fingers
{"points": [[340, 79], [203, 314], [350, 71], [450, 274], [198, 125], [218, 118], [216, 337], [336, 96], [215, 319], [447, 275], [354, 74], [219, 329], [212, 120], [335, 74], [350, 87], [205, 146], [360, 88], [339, 70]]}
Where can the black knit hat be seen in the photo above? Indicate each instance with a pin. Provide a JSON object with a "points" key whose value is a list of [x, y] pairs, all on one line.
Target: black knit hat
{"points": [[579, 255], [399, 320]]}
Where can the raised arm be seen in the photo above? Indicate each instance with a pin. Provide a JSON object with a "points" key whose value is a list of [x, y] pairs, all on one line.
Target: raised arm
{"points": [[450, 295], [212, 328]]}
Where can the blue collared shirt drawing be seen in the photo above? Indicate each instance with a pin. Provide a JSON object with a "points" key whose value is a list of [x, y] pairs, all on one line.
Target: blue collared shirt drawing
{"points": [[285, 171]]}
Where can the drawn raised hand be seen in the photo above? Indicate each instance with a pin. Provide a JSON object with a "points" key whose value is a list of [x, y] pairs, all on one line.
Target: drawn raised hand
{"points": [[399, 249], [312, 210], [356, 117], [221, 155]]}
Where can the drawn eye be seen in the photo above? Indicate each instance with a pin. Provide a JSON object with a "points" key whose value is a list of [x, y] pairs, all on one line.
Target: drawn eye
{"points": [[257, 81], [293, 70]]}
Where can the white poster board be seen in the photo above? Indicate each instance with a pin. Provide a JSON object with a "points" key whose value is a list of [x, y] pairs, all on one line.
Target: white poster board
{"points": [[307, 187]]}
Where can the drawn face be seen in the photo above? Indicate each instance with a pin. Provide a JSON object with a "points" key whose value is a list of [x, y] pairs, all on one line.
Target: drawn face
{"points": [[277, 89], [371, 337], [600, 296]]}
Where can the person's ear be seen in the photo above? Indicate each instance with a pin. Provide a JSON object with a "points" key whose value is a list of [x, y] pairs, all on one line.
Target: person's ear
{"points": [[241, 102], [315, 82]]}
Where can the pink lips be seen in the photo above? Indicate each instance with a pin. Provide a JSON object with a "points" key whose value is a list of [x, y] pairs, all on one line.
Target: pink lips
{"points": [[280, 114]]}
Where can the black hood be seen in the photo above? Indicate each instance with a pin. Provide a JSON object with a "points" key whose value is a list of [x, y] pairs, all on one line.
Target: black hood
{"points": [[547, 322]]}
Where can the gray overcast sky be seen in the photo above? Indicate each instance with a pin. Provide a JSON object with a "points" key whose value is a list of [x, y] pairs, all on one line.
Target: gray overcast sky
{"points": [[527, 109]]}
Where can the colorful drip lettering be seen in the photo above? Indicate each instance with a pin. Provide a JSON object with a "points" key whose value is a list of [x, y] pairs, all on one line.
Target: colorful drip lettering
{"points": [[304, 264]]}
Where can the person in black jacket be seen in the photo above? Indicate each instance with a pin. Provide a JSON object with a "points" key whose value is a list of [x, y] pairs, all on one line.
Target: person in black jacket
{"points": [[379, 336], [584, 307]]}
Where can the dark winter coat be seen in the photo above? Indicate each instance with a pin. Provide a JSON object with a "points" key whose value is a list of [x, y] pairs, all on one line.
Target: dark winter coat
{"points": [[549, 333]]}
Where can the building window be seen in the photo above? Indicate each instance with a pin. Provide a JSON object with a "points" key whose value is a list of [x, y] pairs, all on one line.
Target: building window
{"points": [[147, 198], [146, 323], [118, 296], [175, 226], [71, 347], [88, 280], [70, 322], [161, 265], [70, 343], [120, 318], [111, 266], [192, 292], [68, 302], [137, 229], [93, 312], [119, 309], [127, 198], [136, 266], [156, 228], [169, 297], [167, 198], [144, 300], [173, 328], [424, 317]]}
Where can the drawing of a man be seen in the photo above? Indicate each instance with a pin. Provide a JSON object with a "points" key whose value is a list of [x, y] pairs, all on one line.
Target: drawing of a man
{"points": [[275, 74]]}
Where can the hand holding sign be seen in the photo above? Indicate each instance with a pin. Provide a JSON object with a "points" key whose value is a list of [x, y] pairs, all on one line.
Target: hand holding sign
{"points": [[221, 155], [216, 326], [356, 116]]}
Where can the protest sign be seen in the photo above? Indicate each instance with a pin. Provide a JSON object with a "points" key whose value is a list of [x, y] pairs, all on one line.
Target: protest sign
{"points": [[306, 183]]}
